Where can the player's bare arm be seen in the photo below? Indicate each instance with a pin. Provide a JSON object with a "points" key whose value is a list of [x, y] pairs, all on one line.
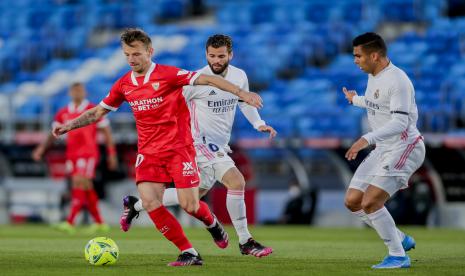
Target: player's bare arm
{"points": [[250, 98], [349, 94], [269, 129], [87, 118], [39, 151]]}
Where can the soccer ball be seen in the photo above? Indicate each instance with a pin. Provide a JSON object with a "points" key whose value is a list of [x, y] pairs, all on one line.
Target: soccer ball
{"points": [[101, 251]]}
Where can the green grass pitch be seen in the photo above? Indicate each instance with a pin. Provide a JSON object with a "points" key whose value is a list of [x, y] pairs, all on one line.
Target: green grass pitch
{"points": [[40, 250]]}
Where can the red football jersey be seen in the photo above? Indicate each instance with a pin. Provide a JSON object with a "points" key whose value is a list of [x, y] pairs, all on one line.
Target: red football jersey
{"points": [[81, 142], [159, 108]]}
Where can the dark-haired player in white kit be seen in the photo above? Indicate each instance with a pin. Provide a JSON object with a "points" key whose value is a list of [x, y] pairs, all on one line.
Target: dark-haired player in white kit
{"points": [[392, 115], [212, 115]]}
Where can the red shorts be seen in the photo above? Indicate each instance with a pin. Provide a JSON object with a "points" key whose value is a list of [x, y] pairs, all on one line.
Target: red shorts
{"points": [[82, 166], [177, 165]]}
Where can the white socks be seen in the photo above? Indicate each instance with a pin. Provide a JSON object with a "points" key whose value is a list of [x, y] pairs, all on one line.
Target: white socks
{"points": [[170, 198], [138, 205], [191, 250], [385, 226], [236, 208], [363, 216]]}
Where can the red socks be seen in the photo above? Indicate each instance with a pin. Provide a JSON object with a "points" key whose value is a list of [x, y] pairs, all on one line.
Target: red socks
{"points": [[78, 200], [167, 224], [92, 206], [204, 214]]}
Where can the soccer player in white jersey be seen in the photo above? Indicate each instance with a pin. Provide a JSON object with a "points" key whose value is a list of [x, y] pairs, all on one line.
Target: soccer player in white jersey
{"points": [[212, 114], [392, 115]]}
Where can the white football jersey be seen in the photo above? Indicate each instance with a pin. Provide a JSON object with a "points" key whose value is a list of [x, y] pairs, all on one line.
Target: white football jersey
{"points": [[212, 113], [389, 97]]}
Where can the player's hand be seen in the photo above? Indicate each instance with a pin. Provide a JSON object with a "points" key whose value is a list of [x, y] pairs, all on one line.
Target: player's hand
{"points": [[112, 163], [37, 154], [349, 94], [60, 130], [251, 98], [269, 129], [361, 143]]}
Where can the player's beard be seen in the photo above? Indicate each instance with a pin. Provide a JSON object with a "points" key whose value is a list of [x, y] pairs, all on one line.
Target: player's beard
{"points": [[219, 71]]}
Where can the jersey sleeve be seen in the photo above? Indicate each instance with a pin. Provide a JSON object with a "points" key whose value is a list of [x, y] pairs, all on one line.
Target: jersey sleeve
{"points": [[400, 101], [359, 101], [250, 112], [399, 106], [58, 119], [114, 99], [245, 83], [183, 77]]}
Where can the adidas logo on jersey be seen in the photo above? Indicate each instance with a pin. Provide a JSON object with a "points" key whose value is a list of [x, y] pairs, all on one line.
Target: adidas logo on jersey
{"points": [[212, 93]]}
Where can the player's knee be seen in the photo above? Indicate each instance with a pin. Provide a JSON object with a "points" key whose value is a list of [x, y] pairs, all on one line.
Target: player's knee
{"points": [[190, 206], [237, 186], [238, 183], [370, 205], [352, 204]]}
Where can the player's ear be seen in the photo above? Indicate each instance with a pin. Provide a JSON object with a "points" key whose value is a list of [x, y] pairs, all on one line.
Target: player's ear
{"points": [[151, 51], [375, 56], [231, 55]]}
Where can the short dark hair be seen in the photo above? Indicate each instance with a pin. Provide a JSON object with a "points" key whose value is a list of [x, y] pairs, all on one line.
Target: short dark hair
{"points": [[371, 42], [76, 84], [219, 40], [131, 35]]}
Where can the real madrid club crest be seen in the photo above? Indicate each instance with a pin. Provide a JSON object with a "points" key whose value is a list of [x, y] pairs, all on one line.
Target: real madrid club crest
{"points": [[156, 85], [376, 94]]}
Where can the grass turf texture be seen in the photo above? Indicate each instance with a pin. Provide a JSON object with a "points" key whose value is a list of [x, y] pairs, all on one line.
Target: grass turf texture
{"points": [[41, 250]]}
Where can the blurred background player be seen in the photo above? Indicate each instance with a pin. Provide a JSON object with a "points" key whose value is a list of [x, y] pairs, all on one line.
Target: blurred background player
{"points": [[165, 145], [212, 115], [82, 154], [392, 115]]}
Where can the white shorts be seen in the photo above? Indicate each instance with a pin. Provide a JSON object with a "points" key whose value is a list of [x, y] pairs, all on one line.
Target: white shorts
{"points": [[391, 169], [213, 172], [213, 162]]}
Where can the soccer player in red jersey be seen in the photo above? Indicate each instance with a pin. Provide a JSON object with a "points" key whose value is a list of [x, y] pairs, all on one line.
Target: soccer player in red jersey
{"points": [[165, 145], [82, 156]]}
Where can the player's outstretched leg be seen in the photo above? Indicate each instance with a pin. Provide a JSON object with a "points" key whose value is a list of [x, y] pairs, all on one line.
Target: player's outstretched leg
{"points": [[237, 212], [129, 212], [216, 229]]}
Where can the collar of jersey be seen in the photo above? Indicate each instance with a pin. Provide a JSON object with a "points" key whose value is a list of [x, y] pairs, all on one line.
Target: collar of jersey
{"points": [[389, 66], [147, 75], [72, 108]]}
